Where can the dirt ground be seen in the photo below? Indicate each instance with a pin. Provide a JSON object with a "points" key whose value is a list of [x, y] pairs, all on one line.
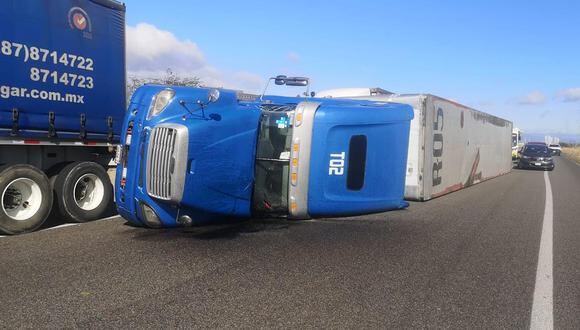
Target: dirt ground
{"points": [[572, 153]]}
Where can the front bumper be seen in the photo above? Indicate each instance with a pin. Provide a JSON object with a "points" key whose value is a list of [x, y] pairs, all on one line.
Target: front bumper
{"points": [[540, 165]]}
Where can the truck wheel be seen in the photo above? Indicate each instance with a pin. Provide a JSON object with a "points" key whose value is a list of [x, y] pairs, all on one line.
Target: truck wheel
{"points": [[84, 191], [26, 198]]}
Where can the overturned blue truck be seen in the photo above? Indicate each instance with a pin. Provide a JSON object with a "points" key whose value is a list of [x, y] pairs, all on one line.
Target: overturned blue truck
{"points": [[191, 156]]}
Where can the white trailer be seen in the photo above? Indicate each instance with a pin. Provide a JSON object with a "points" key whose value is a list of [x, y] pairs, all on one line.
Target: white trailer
{"points": [[451, 146], [517, 142]]}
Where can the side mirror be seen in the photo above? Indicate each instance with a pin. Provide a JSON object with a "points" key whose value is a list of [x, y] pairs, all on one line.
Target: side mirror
{"points": [[291, 81], [297, 81], [280, 80]]}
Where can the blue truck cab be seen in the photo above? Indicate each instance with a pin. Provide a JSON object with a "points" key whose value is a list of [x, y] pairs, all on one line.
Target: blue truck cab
{"points": [[195, 156]]}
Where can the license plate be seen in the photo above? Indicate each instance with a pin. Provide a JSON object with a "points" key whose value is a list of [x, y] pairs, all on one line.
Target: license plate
{"points": [[538, 164]]}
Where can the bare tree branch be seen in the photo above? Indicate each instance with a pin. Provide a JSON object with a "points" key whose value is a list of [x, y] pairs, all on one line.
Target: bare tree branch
{"points": [[170, 78]]}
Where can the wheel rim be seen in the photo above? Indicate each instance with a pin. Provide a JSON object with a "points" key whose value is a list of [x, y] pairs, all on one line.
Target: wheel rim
{"points": [[89, 192], [21, 199]]}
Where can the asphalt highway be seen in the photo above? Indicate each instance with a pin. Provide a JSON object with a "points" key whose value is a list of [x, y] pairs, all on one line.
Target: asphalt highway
{"points": [[465, 260]]}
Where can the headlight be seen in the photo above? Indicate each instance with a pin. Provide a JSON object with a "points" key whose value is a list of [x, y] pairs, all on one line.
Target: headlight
{"points": [[525, 157], [151, 218], [160, 102]]}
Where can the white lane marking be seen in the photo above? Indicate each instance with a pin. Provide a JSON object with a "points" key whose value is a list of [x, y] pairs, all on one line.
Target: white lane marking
{"points": [[543, 305], [108, 218], [78, 224], [61, 226], [73, 224]]}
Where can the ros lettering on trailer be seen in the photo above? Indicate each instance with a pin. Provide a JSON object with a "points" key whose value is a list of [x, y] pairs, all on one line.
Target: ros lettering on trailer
{"points": [[437, 147]]}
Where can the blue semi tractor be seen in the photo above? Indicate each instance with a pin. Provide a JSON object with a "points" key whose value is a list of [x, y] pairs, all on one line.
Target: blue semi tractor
{"points": [[62, 104], [196, 156]]}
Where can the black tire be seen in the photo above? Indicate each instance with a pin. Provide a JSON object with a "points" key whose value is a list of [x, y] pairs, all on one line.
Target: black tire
{"points": [[69, 194], [10, 175]]}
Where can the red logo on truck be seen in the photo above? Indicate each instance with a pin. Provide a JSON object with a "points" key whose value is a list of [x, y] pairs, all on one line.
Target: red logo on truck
{"points": [[78, 19]]}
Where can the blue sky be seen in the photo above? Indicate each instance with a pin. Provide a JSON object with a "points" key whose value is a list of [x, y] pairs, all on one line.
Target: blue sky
{"points": [[519, 60]]}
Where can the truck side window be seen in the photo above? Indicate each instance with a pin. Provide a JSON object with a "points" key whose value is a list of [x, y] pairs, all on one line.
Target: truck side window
{"points": [[357, 158]]}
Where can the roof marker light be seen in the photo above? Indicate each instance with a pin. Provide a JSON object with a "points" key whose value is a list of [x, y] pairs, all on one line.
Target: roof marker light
{"points": [[298, 116]]}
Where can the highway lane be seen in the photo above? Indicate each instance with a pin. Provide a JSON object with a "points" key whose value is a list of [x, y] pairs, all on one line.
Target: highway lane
{"points": [[466, 260]]}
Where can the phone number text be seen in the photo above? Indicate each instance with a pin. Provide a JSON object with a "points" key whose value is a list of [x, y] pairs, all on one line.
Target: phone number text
{"points": [[64, 78], [37, 54]]}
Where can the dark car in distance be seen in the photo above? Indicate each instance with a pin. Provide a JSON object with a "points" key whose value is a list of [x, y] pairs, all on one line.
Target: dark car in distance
{"points": [[536, 156]]}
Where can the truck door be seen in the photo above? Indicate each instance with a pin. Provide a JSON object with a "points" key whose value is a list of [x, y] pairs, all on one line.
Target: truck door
{"points": [[272, 163]]}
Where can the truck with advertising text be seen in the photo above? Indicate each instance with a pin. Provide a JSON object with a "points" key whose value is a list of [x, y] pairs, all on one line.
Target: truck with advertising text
{"points": [[517, 142], [62, 103], [451, 146], [193, 156]]}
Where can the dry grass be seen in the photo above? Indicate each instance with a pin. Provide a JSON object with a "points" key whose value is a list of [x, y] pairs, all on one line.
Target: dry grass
{"points": [[572, 153]]}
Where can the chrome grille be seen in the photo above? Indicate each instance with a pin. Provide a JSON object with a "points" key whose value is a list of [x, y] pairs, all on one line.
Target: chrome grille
{"points": [[160, 162]]}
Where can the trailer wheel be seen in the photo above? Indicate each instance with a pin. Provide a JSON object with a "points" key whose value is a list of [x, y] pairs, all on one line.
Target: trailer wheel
{"points": [[26, 198], [84, 191]]}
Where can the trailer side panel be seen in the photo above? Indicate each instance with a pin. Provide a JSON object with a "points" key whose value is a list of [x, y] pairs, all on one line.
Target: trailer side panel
{"points": [[63, 69], [463, 147]]}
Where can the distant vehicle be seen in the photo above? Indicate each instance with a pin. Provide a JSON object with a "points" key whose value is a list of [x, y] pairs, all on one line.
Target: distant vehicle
{"points": [[517, 142], [555, 149], [536, 155]]}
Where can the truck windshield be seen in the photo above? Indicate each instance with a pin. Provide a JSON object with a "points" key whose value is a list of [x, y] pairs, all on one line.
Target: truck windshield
{"points": [[273, 163]]}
